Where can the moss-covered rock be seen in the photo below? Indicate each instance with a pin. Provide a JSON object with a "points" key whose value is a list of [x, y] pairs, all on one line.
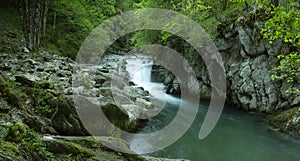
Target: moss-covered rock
{"points": [[90, 148], [287, 121], [65, 120], [27, 141], [9, 151], [61, 147]]}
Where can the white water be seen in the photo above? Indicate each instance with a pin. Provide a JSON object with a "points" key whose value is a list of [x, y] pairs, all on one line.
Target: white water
{"points": [[139, 70]]}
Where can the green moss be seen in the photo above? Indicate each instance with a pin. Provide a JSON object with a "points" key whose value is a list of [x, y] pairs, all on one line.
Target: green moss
{"points": [[10, 150], [286, 121], [28, 140], [41, 94], [11, 93], [71, 149]]}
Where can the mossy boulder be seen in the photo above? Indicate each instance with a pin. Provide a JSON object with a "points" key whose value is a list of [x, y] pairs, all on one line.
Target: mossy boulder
{"points": [[61, 147], [17, 132], [27, 141], [287, 121], [90, 148], [65, 120]]}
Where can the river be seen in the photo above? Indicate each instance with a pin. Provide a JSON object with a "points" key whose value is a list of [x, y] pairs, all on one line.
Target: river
{"points": [[238, 136]]}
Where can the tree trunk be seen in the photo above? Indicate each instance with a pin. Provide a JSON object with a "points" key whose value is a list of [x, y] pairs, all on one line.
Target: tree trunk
{"points": [[225, 4], [34, 18]]}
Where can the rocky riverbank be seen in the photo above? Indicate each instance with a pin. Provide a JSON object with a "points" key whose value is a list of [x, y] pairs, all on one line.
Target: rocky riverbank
{"points": [[38, 118]]}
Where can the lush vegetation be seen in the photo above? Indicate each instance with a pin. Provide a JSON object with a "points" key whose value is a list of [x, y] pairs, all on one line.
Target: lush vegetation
{"points": [[69, 23], [283, 26]]}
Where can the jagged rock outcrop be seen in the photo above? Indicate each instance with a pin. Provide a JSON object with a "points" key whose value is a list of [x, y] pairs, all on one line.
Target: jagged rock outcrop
{"points": [[248, 61]]}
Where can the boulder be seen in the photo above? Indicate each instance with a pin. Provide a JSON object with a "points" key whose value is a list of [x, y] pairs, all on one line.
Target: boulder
{"points": [[65, 120]]}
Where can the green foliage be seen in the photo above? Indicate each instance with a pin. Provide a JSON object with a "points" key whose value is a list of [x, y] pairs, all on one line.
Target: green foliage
{"points": [[289, 71], [200, 11], [145, 37], [70, 22], [284, 26]]}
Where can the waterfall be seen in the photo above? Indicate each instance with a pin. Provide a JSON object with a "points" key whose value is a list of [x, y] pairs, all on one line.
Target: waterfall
{"points": [[139, 70], [143, 74]]}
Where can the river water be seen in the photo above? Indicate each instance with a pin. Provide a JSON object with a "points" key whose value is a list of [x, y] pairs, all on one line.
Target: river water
{"points": [[238, 136]]}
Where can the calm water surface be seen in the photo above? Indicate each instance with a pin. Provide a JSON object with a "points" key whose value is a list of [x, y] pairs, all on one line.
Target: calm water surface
{"points": [[238, 136]]}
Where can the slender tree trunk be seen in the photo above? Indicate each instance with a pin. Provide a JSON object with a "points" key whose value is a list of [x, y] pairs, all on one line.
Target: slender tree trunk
{"points": [[225, 4], [45, 17], [34, 18], [54, 21]]}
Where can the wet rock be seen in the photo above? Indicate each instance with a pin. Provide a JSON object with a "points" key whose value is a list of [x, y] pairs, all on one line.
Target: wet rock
{"points": [[52, 75], [89, 110], [25, 50], [162, 159], [251, 46], [136, 92], [144, 103]]}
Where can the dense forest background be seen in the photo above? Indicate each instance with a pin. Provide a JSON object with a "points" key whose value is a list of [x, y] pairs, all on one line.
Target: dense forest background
{"points": [[60, 26]]}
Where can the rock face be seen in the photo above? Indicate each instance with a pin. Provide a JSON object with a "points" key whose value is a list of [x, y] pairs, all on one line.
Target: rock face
{"points": [[248, 61]]}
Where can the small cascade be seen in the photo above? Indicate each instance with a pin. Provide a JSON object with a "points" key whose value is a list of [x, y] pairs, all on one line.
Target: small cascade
{"points": [[139, 69]]}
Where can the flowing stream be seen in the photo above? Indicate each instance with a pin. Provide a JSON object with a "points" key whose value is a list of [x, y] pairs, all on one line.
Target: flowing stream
{"points": [[238, 136]]}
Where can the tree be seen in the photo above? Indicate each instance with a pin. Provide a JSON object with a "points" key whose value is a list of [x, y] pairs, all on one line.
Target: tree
{"points": [[34, 18]]}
